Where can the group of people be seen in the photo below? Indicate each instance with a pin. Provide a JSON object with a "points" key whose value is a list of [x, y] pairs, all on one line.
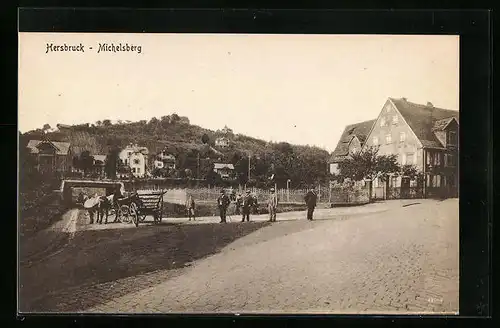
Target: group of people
{"points": [[246, 203]]}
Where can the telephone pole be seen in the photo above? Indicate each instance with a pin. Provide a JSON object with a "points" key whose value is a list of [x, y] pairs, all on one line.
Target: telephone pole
{"points": [[198, 166], [249, 166]]}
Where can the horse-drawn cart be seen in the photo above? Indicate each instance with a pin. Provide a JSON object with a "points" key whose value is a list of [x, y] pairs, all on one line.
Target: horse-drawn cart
{"points": [[138, 205]]}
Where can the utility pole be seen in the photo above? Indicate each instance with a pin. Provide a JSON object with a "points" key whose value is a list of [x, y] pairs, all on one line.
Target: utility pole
{"points": [[198, 166], [249, 166]]}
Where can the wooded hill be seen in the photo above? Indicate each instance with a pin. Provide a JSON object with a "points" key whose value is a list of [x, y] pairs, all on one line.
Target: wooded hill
{"points": [[303, 165]]}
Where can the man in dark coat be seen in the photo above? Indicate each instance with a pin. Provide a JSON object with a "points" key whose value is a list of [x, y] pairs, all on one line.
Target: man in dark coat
{"points": [[310, 199], [116, 196], [248, 202], [223, 202]]}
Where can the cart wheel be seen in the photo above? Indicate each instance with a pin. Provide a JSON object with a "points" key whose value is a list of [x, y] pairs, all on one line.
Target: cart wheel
{"points": [[124, 214], [133, 214]]}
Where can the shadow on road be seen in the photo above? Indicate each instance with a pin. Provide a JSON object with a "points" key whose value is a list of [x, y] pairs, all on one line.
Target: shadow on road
{"points": [[98, 256]]}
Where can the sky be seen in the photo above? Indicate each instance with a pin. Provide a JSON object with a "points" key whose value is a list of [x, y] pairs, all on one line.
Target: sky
{"points": [[302, 89]]}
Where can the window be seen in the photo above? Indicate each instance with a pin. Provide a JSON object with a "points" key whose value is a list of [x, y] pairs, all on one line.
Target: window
{"points": [[403, 159], [133, 170], [395, 119], [138, 170], [452, 137], [429, 158], [451, 160], [334, 168], [388, 139], [129, 153], [402, 136], [136, 161], [410, 158], [437, 159], [375, 141], [436, 180], [382, 121], [388, 109]]}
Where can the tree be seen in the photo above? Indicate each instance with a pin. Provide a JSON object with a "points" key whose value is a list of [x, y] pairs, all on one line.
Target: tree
{"points": [[106, 123], [46, 127], [174, 118], [112, 162], [367, 164], [205, 138], [76, 163], [86, 161], [409, 171]]}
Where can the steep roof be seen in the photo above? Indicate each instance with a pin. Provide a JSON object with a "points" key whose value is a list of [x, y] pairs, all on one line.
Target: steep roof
{"points": [[359, 130], [422, 119], [222, 166], [62, 148]]}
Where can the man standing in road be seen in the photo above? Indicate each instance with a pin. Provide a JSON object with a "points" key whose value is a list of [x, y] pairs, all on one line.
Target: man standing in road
{"points": [[190, 206], [272, 204], [238, 202], [223, 202], [247, 206], [310, 199]]}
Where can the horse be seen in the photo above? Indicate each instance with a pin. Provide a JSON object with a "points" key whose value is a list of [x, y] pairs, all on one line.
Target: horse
{"points": [[101, 207]]}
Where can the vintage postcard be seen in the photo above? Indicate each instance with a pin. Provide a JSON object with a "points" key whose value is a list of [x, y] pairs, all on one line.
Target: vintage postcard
{"points": [[238, 173]]}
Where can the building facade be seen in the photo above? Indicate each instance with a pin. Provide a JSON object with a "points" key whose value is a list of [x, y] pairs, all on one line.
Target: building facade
{"points": [[136, 158], [423, 136], [226, 171], [352, 140], [51, 156], [222, 142]]}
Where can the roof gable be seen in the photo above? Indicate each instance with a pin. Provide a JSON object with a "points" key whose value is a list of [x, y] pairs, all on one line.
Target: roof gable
{"points": [[219, 166], [425, 119], [357, 130], [62, 148]]}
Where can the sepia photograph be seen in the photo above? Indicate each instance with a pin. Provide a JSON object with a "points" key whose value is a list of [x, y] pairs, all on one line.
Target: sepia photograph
{"points": [[238, 173]]}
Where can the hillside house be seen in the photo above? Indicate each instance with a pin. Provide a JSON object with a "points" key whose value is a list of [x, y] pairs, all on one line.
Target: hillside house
{"points": [[352, 140], [136, 158], [226, 171], [421, 135], [222, 142], [164, 160], [51, 156]]}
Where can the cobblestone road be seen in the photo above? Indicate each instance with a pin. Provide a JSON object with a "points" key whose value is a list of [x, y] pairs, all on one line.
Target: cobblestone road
{"points": [[399, 261]]}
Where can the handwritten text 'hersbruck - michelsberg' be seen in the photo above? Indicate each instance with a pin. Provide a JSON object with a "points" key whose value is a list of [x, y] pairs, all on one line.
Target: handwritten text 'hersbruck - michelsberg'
{"points": [[103, 47]]}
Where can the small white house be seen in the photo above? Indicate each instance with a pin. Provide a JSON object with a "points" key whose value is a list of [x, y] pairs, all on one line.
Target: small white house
{"points": [[136, 158], [226, 171], [222, 142]]}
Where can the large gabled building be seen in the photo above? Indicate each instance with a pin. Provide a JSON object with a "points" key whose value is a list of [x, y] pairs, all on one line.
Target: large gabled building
{"points": [[421, 135]]}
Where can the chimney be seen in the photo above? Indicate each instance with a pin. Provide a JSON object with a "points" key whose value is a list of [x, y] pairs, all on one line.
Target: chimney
{"points": [[429, 104]]}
